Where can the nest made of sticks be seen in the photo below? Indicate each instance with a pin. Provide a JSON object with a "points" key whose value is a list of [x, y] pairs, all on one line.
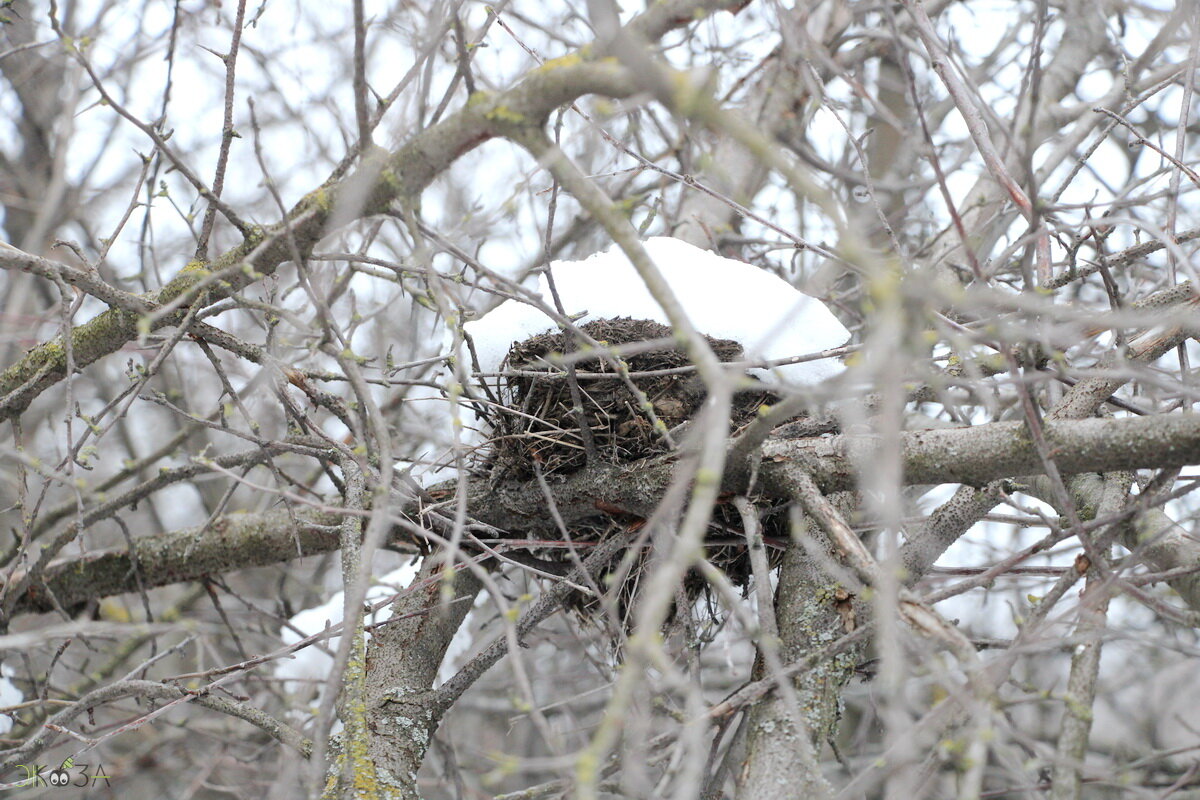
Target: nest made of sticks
{"points": [[630, 405]]}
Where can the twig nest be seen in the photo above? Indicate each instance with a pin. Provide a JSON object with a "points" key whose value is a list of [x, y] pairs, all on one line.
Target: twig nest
{"points": [[630, 404]]}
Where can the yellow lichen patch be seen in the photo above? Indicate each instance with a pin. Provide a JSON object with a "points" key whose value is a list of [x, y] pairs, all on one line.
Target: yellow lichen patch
{"points": [[196, 267], [391, 180], [503, 113], [319, 198], [255, 235], [569, 60]]}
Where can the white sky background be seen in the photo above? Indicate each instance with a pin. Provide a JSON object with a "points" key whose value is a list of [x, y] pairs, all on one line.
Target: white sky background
{"points": [[300, 39], [306, 73]]}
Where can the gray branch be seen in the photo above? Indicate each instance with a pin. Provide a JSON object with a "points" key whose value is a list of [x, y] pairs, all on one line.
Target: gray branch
{"points": [[972, 456]]}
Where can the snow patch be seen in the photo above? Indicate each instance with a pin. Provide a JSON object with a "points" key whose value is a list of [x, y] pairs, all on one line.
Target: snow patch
{"points": [[310, 666], [10, 695], [723, 298]]}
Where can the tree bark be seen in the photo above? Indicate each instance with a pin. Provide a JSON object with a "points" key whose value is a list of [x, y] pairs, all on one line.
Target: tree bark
{"points": [[400, 710], [974, 456], [786, 730]]}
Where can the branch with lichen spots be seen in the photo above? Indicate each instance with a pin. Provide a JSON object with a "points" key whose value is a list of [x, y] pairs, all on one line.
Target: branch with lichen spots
{"points": [[234, 541], [382, 179], [974, 456]]}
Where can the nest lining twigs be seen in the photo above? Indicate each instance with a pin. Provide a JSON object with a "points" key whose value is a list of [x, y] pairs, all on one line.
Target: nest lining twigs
{"points": [[629, 405]]}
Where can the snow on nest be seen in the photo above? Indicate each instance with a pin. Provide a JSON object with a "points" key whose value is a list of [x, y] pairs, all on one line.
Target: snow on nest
{"points": [[723, 298]]}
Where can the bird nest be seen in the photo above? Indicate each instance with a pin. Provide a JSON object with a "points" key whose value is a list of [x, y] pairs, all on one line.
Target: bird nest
{"points": [[633, 406]]}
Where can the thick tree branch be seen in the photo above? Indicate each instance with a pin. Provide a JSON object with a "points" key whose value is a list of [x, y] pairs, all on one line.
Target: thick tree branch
{"points": [[984, 453], [234, 541], [972, 456]]}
